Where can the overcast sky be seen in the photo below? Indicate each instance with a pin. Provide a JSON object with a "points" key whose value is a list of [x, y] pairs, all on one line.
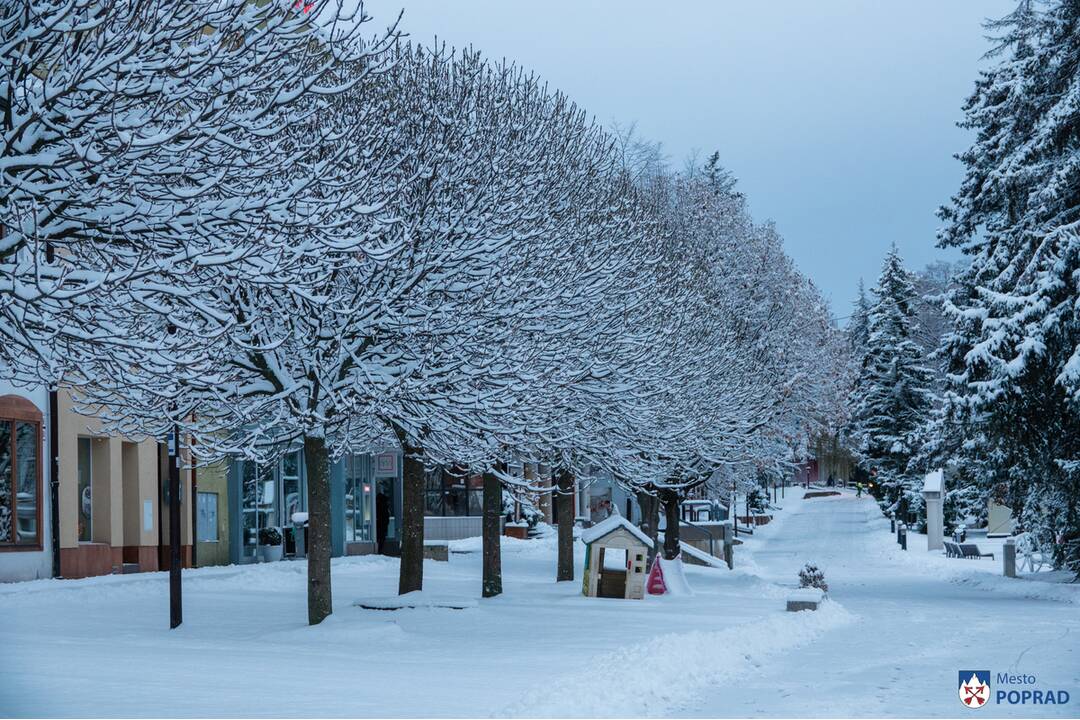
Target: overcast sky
{"points": [[837, 116]]}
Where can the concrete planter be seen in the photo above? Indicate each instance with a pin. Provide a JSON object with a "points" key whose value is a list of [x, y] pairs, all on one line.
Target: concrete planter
{"points": [[805, 599], [270, 553], [516, 531]]}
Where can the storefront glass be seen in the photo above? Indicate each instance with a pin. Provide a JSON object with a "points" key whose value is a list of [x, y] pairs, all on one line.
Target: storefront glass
{"points": [[359, 499], [269, 495]]}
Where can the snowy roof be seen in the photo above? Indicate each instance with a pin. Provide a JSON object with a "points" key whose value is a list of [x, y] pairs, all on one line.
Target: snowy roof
{"points": [[934, 481], [609, 526]]}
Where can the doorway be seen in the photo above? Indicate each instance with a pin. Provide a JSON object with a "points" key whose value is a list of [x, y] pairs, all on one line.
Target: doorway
{"points": [[386, 520]]}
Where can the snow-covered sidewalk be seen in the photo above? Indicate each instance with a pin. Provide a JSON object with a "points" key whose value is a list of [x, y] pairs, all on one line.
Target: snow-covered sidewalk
{"points": [[890, 642], [918, 619], [101, 646]]}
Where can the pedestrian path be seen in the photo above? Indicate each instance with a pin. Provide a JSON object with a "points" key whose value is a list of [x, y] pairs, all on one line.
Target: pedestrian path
{"points": [[914, 630]]}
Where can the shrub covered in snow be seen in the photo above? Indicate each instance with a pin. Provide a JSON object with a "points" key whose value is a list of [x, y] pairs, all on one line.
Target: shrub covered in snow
{"points": [[269, 536], [811, 576], [758, 500]]}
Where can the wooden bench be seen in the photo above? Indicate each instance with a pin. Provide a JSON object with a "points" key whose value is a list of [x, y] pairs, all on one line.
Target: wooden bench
{"points": [[972, 552]]}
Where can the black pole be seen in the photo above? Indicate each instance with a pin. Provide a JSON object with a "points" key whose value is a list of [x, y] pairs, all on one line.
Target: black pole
{"points": [[733, 511], [176, 611], [194, 512], [54, 481], [54, 458]]}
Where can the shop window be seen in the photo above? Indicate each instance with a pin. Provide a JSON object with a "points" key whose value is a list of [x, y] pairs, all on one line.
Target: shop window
{"points": [[453, 492], [258, 507], [207, 527], [20, 473], [86, 489]]}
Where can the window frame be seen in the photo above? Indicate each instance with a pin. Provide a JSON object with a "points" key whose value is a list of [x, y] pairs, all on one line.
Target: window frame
{"points": [[15, 409], [199, 515]]}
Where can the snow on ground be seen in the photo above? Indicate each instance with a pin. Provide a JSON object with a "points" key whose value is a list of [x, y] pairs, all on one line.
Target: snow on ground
{"points": [[890, 641], [919, 618]]}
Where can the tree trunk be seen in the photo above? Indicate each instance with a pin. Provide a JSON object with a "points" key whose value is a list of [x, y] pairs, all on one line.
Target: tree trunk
{"points": [[670, 499], [566, 525], [492, 583], [320, 603], [543, 472], [411, 575], [650, 520]]}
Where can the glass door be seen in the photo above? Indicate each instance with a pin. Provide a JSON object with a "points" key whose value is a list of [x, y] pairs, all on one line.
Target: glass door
{"points": [[293, 498], [359, 500], [258, 505]]}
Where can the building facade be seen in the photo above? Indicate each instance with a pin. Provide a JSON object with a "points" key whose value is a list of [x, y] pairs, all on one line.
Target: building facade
{"points": [[365, 503], [26, 543], [213, 537], [113, 499]]}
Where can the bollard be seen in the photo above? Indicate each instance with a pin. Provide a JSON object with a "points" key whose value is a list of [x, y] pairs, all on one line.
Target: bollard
{"points": [[899, 526], [729, 547], [1008, 557], [903, 536], [892, 524]]}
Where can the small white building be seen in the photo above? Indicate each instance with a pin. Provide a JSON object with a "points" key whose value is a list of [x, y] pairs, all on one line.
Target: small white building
{"points": [[616, 553]]}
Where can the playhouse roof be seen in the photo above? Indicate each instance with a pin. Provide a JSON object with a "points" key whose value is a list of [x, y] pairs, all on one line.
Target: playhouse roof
{"points": [[609, 526], [934, 481]]}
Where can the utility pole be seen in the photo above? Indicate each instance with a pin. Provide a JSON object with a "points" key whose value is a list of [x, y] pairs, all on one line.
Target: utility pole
{"points": [[176, 610], [734, 512]]}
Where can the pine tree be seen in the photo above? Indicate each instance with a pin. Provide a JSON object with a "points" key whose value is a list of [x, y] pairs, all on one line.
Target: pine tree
{"points": [[859, 327], [892, 397], [1012, 408]]}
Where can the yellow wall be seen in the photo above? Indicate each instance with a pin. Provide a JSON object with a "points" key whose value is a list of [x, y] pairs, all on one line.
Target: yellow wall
{"points": [[215, 479], [125, 477]]}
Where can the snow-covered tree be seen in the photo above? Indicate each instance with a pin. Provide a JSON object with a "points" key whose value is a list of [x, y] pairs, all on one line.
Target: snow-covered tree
{"points": [[268, 206], [148, 149], [892, 397], [858, 329], [1013, 353]]}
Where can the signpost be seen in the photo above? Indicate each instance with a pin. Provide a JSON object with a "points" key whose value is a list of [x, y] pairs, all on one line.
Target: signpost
{"points": [[176, 611]]}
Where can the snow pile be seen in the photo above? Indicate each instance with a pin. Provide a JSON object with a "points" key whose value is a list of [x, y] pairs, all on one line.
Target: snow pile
{"points": [[806, 594], [669, 669], [544, 544]]}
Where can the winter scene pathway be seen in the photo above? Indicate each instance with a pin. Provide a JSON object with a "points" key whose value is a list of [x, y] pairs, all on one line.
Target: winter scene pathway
{"points": [[890, 641]]}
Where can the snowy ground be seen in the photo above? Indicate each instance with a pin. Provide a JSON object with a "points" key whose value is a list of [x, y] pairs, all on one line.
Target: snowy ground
{"points": [[890, 642]]}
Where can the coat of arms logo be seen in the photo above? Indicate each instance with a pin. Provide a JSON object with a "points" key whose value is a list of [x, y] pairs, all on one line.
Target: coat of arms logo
{"points": [[974, 688]]}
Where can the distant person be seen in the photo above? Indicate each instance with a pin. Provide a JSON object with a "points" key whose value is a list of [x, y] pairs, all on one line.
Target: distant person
{"points": [[382, 521], [831, 481], [858, 490]]}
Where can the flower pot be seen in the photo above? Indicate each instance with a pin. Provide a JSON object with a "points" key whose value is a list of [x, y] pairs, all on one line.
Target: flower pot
{"points": [[270, 553]]}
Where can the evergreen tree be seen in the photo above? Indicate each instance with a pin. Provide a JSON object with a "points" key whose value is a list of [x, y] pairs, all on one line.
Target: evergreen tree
{"points": [[1011, 415], [859, 327], [892, 397]]}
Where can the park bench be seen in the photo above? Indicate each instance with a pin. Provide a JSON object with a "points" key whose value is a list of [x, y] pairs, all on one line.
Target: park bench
{"points": [[971, 551]]}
